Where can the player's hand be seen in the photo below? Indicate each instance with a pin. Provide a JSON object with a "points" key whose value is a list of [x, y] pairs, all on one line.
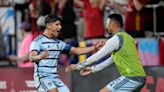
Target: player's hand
{"points": [[12, 58], [45, 54], [86, 71], [99, 44], [71, 67]]}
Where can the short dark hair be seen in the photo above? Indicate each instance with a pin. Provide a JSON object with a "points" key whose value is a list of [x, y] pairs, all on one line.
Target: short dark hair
{"points": [[51, 18], [117, 18]]}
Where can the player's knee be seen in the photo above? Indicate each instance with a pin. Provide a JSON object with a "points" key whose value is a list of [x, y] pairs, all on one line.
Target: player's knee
{"points": [[105, 89], [53, 90]]}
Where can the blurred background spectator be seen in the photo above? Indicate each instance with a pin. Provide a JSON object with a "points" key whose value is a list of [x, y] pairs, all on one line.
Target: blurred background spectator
{"points": [[7, 22], [23, 53], [2, 48], [21, 7], [159, 14], [144, 17], [65, 9], [135, 17], [93, 18], [38, 9]]}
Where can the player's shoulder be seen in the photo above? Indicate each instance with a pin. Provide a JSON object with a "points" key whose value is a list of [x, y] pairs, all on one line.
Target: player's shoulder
{"points": [[39, 37], [115, 36]]}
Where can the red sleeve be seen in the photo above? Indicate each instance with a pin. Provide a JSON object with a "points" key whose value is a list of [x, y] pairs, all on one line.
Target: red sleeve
{"points": [[86, 4]]}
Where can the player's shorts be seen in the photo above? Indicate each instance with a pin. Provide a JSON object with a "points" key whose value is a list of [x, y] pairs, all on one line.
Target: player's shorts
{"points": [[46, 83], [124, 84]]}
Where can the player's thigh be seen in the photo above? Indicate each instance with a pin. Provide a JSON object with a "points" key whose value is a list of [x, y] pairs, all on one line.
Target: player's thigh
{"points": [[123, 84], [105, 89], [53, 90]]}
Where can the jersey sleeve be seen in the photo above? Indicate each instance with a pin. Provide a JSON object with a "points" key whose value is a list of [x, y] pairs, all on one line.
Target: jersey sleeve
{"points": [[35, 46], [102, 65], [65, 47], [111, 45]]}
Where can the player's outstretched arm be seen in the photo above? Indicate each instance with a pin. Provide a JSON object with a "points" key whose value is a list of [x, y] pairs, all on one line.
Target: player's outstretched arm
{"points": [[78, 66], [95, 68], [80, 51], [102, 65]]}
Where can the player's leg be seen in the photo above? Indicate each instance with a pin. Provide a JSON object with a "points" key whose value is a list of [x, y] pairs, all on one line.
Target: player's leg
{"points": [[123, 84], [53, 90], [105, 89], [53, 85], [63, 88], [139, 88], [132, 86], [38, 83], [115, 85]]}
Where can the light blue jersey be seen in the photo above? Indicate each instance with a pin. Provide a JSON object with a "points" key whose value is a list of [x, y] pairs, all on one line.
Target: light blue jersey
{"points": [[45, 71]]}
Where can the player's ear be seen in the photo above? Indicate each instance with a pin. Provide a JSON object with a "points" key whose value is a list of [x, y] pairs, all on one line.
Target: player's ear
{"points": [[48, 26]]}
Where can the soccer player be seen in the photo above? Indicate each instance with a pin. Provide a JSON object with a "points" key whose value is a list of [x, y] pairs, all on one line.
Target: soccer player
{"points": [[45, 50], [124, 54]]}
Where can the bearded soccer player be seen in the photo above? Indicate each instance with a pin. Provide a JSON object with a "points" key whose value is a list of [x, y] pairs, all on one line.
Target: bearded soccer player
{"points": [[124, 55]]}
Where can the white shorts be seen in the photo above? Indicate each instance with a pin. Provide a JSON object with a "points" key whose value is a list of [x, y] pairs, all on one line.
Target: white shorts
{"points": [[123, 84]]}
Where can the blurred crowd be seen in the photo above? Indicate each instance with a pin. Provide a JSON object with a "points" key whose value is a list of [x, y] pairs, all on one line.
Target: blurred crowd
{"points": [[81, 20]]}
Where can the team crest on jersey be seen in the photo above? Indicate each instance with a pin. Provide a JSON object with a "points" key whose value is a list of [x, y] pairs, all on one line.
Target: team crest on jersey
{"points": [[49, 84]]}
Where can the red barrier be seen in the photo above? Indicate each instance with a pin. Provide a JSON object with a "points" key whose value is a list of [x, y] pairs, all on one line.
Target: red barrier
{"points": [[161, 51], [17, 80], [154, 84], [21, 79]]}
